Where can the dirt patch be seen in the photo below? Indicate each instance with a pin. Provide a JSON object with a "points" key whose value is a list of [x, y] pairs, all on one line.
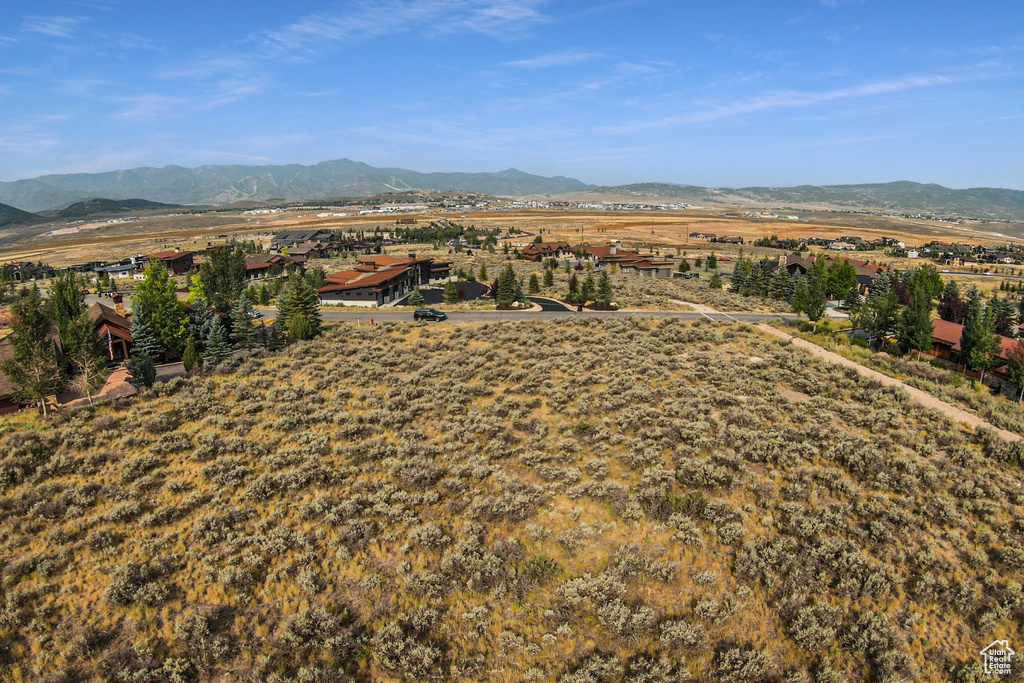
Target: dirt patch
{"points": [[793, 396]]}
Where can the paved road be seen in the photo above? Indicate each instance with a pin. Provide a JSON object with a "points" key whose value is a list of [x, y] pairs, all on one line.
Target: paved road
{"points": [[378, 315]]}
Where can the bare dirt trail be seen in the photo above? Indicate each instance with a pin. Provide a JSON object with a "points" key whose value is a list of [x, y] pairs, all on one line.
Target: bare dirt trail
{"points": [[918, 396]]}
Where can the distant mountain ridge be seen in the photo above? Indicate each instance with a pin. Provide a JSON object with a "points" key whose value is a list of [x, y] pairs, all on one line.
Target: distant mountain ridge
{"points": [[347, 178], [226, 184], [900, 196]]}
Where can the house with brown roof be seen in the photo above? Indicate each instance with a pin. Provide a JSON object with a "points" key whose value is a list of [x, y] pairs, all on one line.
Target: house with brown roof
{"points": [[177, 261], [381, 279], [946, 344], [114, 330], [538, 251], [261, 265]]}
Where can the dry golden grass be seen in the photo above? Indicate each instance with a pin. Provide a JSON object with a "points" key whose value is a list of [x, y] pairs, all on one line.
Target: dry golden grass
{"points": [[506, 502]]}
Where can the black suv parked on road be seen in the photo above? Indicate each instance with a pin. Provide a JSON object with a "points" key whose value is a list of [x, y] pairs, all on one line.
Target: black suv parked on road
{"points": [[429, 314]]}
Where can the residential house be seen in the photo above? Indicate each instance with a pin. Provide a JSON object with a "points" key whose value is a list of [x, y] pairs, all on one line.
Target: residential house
{"points": [[292, 237], [8, 404], [946, 344], [113, 329], [261, 265], [381, 279], [177, 261], [538, 251]]}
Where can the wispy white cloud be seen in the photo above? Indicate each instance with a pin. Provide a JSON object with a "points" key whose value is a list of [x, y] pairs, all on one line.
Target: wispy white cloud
{"points": [[228, 91], [792, 99], [567, 58], [375, 18], [149, 106], [58, 27], [130, 41]]}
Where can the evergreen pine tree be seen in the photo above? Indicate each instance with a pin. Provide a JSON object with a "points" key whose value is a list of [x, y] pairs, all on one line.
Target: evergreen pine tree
{"points": [[144, 340], [242, 327], [1015, 368], [573, 288], [973, 340], [451, 294], [915, 327], [740, 276], [604, 290], [780, 283], [217, 346], [299, 298], [141, 371], [716, 281], [506, 287], [416, 298], [534, 286], [483, 272], [191, 359], [587, 290], [549, 278]]}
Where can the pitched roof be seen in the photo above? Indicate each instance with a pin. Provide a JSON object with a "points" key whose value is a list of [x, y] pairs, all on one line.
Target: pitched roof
{"points": [[105, 318], [354, 279], [946, 332], [170, 255], [257, 261]]}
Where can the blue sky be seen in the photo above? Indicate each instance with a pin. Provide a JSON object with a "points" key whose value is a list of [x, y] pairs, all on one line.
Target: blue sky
{"points": [[729, 93]]}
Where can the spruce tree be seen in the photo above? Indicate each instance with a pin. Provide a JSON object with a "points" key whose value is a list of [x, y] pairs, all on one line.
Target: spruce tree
{"points": [[242, 327], [587, 290], [451, 294], [780, 283], [141, 371], [915, 327], [534, 286], [573, 288], [506, 287], [299, 298], [32, 368], [416, 298], [217, 346], [483, 272], [549, 278], [144, 340], [951, 307], [974, 340], [604, 290]]}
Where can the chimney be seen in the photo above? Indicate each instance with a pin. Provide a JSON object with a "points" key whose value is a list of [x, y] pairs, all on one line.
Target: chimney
{"points": [[118, 304], [177, 250], [612, 251], [412, 254]]}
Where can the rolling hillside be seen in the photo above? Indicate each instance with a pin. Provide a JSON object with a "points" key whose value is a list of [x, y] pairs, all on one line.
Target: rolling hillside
{"points": [[627, 501], [226, 184]]}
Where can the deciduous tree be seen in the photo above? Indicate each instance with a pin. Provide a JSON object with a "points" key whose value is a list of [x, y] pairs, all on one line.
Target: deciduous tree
{"points": [[32, 369]]}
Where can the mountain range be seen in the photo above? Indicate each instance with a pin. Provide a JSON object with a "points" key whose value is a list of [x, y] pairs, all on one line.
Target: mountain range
{"points": [[207, 185], [226, 184]]}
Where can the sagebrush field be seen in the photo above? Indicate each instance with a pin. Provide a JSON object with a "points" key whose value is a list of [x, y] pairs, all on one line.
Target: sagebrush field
{"points": [[585, 500]]}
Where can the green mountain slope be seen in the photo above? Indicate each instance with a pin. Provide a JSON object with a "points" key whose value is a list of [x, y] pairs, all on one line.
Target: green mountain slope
{"points": [[226, 184], [12, 216]]}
